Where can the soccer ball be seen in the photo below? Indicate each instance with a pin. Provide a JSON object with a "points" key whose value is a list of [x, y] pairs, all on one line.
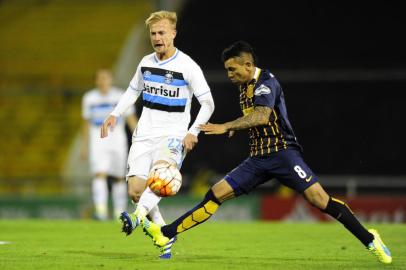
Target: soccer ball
{"points": [[164, 180]]}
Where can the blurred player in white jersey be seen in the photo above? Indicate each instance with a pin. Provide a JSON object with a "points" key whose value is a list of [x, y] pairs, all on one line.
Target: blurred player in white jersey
{"points": [[167, 80], [107, 157]]}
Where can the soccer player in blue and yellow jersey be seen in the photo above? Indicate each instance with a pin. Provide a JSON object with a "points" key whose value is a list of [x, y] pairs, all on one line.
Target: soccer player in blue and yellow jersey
{"points": [[274, 153]]}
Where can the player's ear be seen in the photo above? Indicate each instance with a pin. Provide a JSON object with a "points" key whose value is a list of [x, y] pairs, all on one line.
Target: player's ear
{"points": [[248, 65], [174, 33]]}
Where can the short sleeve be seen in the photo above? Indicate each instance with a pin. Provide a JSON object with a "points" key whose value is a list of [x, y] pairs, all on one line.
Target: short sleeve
{"points": [[265, 96]]}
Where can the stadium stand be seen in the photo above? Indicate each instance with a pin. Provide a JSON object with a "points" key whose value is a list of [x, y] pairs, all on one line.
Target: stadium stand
{"points": [[49, 51]]}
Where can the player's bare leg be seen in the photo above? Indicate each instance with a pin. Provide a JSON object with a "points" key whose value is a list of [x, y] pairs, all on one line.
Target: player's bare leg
{"points": [[136, 191], [339, 210], [136, 186], [148, 204], [148, 199], [223, 191], [100, 195]]}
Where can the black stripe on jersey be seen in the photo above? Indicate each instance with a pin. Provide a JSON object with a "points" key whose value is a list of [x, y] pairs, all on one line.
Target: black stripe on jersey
{"points": [[162, 72], [162, 107]]}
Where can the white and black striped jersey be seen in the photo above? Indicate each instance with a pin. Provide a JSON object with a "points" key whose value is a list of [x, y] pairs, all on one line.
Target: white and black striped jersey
{"points": [[167, 89]]}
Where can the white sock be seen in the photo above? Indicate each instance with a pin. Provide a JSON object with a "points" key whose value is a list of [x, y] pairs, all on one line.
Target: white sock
{"points": [[100, 197], [156, 216], [119, 196], [147, 201]]}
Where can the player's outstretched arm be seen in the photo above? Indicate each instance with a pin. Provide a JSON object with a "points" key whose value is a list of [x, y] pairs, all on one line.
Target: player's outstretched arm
{"points": [[110, 122], [259, 117]]}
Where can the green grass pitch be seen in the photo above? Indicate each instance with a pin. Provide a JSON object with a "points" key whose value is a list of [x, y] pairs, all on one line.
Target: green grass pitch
{"points": [[44, 244]]}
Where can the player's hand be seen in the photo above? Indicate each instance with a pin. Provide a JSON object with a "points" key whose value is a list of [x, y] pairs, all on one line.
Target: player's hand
{"points": [[231, 133], [213, 129], [189, 142], [110, 122]]}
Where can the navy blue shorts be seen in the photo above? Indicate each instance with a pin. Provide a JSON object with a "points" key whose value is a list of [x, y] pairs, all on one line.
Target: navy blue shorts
{"points": [[287, 166]]}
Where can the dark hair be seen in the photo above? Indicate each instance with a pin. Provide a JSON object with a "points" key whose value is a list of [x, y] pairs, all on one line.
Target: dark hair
{"points": [[236, 49]]}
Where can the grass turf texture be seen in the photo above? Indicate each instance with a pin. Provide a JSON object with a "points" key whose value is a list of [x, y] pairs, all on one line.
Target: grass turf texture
{"points": [[43, 244]]}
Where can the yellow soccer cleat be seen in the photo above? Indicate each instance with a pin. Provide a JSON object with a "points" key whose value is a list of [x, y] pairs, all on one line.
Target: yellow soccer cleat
{"points": [[378, 248], [154, 231]]}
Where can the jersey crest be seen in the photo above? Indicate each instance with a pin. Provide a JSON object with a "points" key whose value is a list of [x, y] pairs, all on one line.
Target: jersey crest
{"points": [[262, 90]]}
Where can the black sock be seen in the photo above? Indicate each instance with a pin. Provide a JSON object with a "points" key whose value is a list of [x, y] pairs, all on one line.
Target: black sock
{"points": [[340, 211], [199, 214]]}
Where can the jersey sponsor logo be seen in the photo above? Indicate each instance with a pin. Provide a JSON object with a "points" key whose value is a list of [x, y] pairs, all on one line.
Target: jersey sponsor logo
{"points": [[165, 100], [163, 103], [262, 90], [161, 91]]}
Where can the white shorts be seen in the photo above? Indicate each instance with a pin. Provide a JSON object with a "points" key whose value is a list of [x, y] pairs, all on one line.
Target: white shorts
{"points": [[110, 161], [146, 152]]}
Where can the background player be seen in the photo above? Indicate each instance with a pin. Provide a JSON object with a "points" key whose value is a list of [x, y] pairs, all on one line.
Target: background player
{"points": [[274, 153], [107, 157], [167, 79]]}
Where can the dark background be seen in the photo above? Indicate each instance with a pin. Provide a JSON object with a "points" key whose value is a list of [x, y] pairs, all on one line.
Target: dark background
{"points": [[341, 65]]}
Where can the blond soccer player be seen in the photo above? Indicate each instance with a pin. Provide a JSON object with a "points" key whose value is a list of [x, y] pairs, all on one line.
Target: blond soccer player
{"points": [[167, 80]]}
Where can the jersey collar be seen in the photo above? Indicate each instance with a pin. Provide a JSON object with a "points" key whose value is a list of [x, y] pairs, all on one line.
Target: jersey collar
{"points": [[249, 87], [256, 74], [254, 80], [167, 60]]}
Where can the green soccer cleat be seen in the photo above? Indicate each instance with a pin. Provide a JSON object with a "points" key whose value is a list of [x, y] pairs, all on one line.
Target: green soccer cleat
{"points": [[154, 231], [378, 248]]}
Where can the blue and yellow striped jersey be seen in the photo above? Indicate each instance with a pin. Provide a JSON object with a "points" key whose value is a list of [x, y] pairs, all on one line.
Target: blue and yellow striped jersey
{"points": [[265, 90]]}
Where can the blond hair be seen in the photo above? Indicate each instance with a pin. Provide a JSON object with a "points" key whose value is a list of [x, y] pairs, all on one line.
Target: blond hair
{"points": [[161, 15]]}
